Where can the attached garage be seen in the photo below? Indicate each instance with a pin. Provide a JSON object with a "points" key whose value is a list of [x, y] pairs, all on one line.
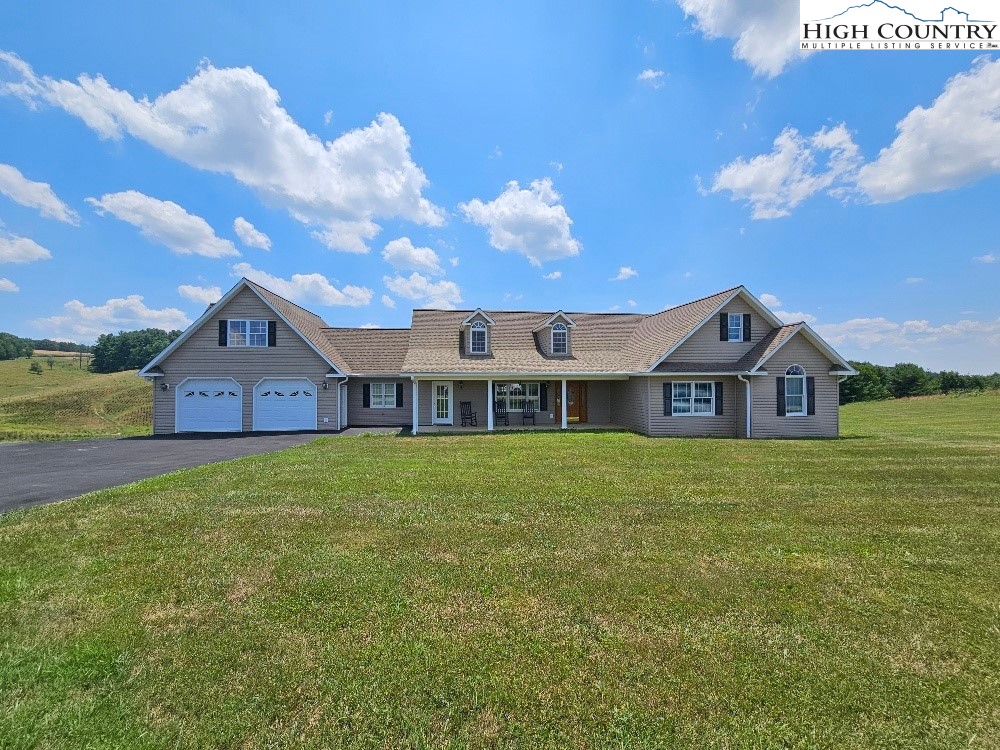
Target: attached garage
{"points": [[284, 404], [209, 405]]}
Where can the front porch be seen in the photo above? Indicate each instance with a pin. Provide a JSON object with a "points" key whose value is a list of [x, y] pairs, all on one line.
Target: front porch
{"points": [[572, 426], [501, 404]]}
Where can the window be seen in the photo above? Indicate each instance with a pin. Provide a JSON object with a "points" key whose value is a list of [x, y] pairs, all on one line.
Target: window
{"points": [[795, 391], [383, 396], [692, 399], [560, 339], [516, 395], [735, 327], [248, 333], [477, 342]]}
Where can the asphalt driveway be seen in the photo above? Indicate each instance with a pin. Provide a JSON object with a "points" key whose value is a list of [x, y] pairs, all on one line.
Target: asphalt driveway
{"points": [[38, 473]]}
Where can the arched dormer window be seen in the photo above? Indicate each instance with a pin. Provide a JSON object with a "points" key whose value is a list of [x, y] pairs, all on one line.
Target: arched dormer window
{"points": [[795, 391], [560, 339], [477, 338]]}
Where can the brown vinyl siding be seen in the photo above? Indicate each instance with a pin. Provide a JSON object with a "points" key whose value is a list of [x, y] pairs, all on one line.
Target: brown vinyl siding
{"points": [[690, 426], [202, 357], [705, 346], [359, 416], [825, 422], [628, 404]]}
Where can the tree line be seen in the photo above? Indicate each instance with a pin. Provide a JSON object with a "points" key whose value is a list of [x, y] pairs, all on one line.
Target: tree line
{"points": [[129, 350], [879, 382], [14, 347]]}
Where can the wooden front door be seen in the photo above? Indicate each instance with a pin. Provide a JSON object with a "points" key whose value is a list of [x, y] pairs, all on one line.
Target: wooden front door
{"points": [[576, 401]]}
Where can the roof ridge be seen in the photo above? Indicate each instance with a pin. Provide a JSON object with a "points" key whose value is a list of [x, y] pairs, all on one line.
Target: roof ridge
{"points": [[362, 328], [695, 301]]}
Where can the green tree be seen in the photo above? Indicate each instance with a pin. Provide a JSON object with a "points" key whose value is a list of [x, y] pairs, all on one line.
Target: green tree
{"points": [[51, 362], [868, 385], [129, 350], [35, 368], [907, 379]]}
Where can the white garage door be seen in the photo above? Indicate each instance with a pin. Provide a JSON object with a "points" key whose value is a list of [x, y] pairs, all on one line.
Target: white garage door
{"points": [[282, 404], [209, 405]]}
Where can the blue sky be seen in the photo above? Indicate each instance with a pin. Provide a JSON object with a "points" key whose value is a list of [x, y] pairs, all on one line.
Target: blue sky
{"points": [[371, 150]]}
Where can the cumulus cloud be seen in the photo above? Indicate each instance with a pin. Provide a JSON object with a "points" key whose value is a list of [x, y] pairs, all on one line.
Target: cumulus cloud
{"points": [[441, 294], [249, 234], [307, 288], [6, 285], [625, 273], [165, 223], [952, 143], [204, 295], [633, 303], [794, 317], [766, 32], [796, 169], [37, 195], [873, 332], [553, 276], [230, 120], [988, 258], [15, 249], [769, 300], [388, 301], [532, 222], [80, 322], [454, 261], [403, 256], [653, 78]]}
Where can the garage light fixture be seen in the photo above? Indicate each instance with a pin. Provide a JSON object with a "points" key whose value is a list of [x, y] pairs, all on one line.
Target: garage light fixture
{"points": [[165, 386], [326, 385]]}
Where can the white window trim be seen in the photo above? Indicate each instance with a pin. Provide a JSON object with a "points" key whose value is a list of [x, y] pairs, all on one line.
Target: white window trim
{"points": [[537, 398], [805, 393], [561, 327], [247, 333], [691, 398], [386, 390], [479, 326], [730, 327]]}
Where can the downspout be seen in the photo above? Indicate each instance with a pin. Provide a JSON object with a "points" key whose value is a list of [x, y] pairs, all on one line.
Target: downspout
{"points": [[749, 403], [339, 405]]}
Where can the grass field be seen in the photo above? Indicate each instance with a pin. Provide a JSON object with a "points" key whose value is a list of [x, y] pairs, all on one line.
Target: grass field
{"points": [[65, 402], [525, 591]]}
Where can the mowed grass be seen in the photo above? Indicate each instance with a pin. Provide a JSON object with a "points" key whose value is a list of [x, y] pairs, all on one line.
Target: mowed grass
{"points": [[524, 591], [65, 402]]}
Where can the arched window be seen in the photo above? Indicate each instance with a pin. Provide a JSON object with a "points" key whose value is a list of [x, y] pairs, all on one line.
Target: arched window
{"points": [[795, 391], [560, 339], [477, 341]]}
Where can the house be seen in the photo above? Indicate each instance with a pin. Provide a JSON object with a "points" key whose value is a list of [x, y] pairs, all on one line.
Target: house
{"points": [[721, 366]]}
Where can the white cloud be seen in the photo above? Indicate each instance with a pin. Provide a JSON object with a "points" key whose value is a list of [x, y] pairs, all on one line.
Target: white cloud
{"points": [[512, 297], [497, 153], [370, 325], [914, 280], [766, 31], [532, 222], [454, 261], [15, 249], [230, 120], [773, 184], [6, 285], [204, 295], [556, 165], [166, 223], [794, 317], [328, 117], [37, 195], [633, 303], [388, 301], [871, 332], [769, 300], [80, 322], [654, 78], [988, 258], [249, 234], [614, 308], [403, 256], [553, 276], [442, 294], [307, 288], [953, 142], [625, 273]]}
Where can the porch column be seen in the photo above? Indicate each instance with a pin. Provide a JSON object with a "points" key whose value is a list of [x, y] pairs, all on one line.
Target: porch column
{"points": [[489, 405], [564, 420], [416, 407]]}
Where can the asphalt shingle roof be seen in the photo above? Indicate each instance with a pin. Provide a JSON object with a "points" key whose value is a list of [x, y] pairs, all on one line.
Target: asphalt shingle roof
{"points": [[370, 351]]}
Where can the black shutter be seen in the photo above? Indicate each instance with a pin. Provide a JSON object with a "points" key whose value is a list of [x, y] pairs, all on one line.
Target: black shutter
{"points": [[666, 400], [399, 395], [781, 397], [272, 333], [811, 396], [366, 396], [746, 326], [718, 399], [543, 397], [723, 326], [223, 333]]}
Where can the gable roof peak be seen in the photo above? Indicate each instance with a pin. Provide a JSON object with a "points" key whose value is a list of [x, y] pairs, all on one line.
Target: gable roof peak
{"points": [[479, 312]]}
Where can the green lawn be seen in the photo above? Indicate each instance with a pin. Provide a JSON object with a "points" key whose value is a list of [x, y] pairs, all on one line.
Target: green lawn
{"points": [[525, 591], [66, 403]]}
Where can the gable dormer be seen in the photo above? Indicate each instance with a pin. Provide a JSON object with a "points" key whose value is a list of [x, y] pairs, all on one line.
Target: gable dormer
{"points": [[478, 334], [555, 335]]}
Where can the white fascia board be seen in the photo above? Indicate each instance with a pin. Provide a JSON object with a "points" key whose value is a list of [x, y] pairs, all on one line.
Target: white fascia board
{"points": [[478, 311]]}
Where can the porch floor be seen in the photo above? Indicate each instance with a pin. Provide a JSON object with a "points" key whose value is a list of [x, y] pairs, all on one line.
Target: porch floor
{"points": [[518, 427]]}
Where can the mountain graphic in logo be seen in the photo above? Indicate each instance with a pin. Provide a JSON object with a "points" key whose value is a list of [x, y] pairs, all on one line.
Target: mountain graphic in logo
{"points": [[949, 14]]}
